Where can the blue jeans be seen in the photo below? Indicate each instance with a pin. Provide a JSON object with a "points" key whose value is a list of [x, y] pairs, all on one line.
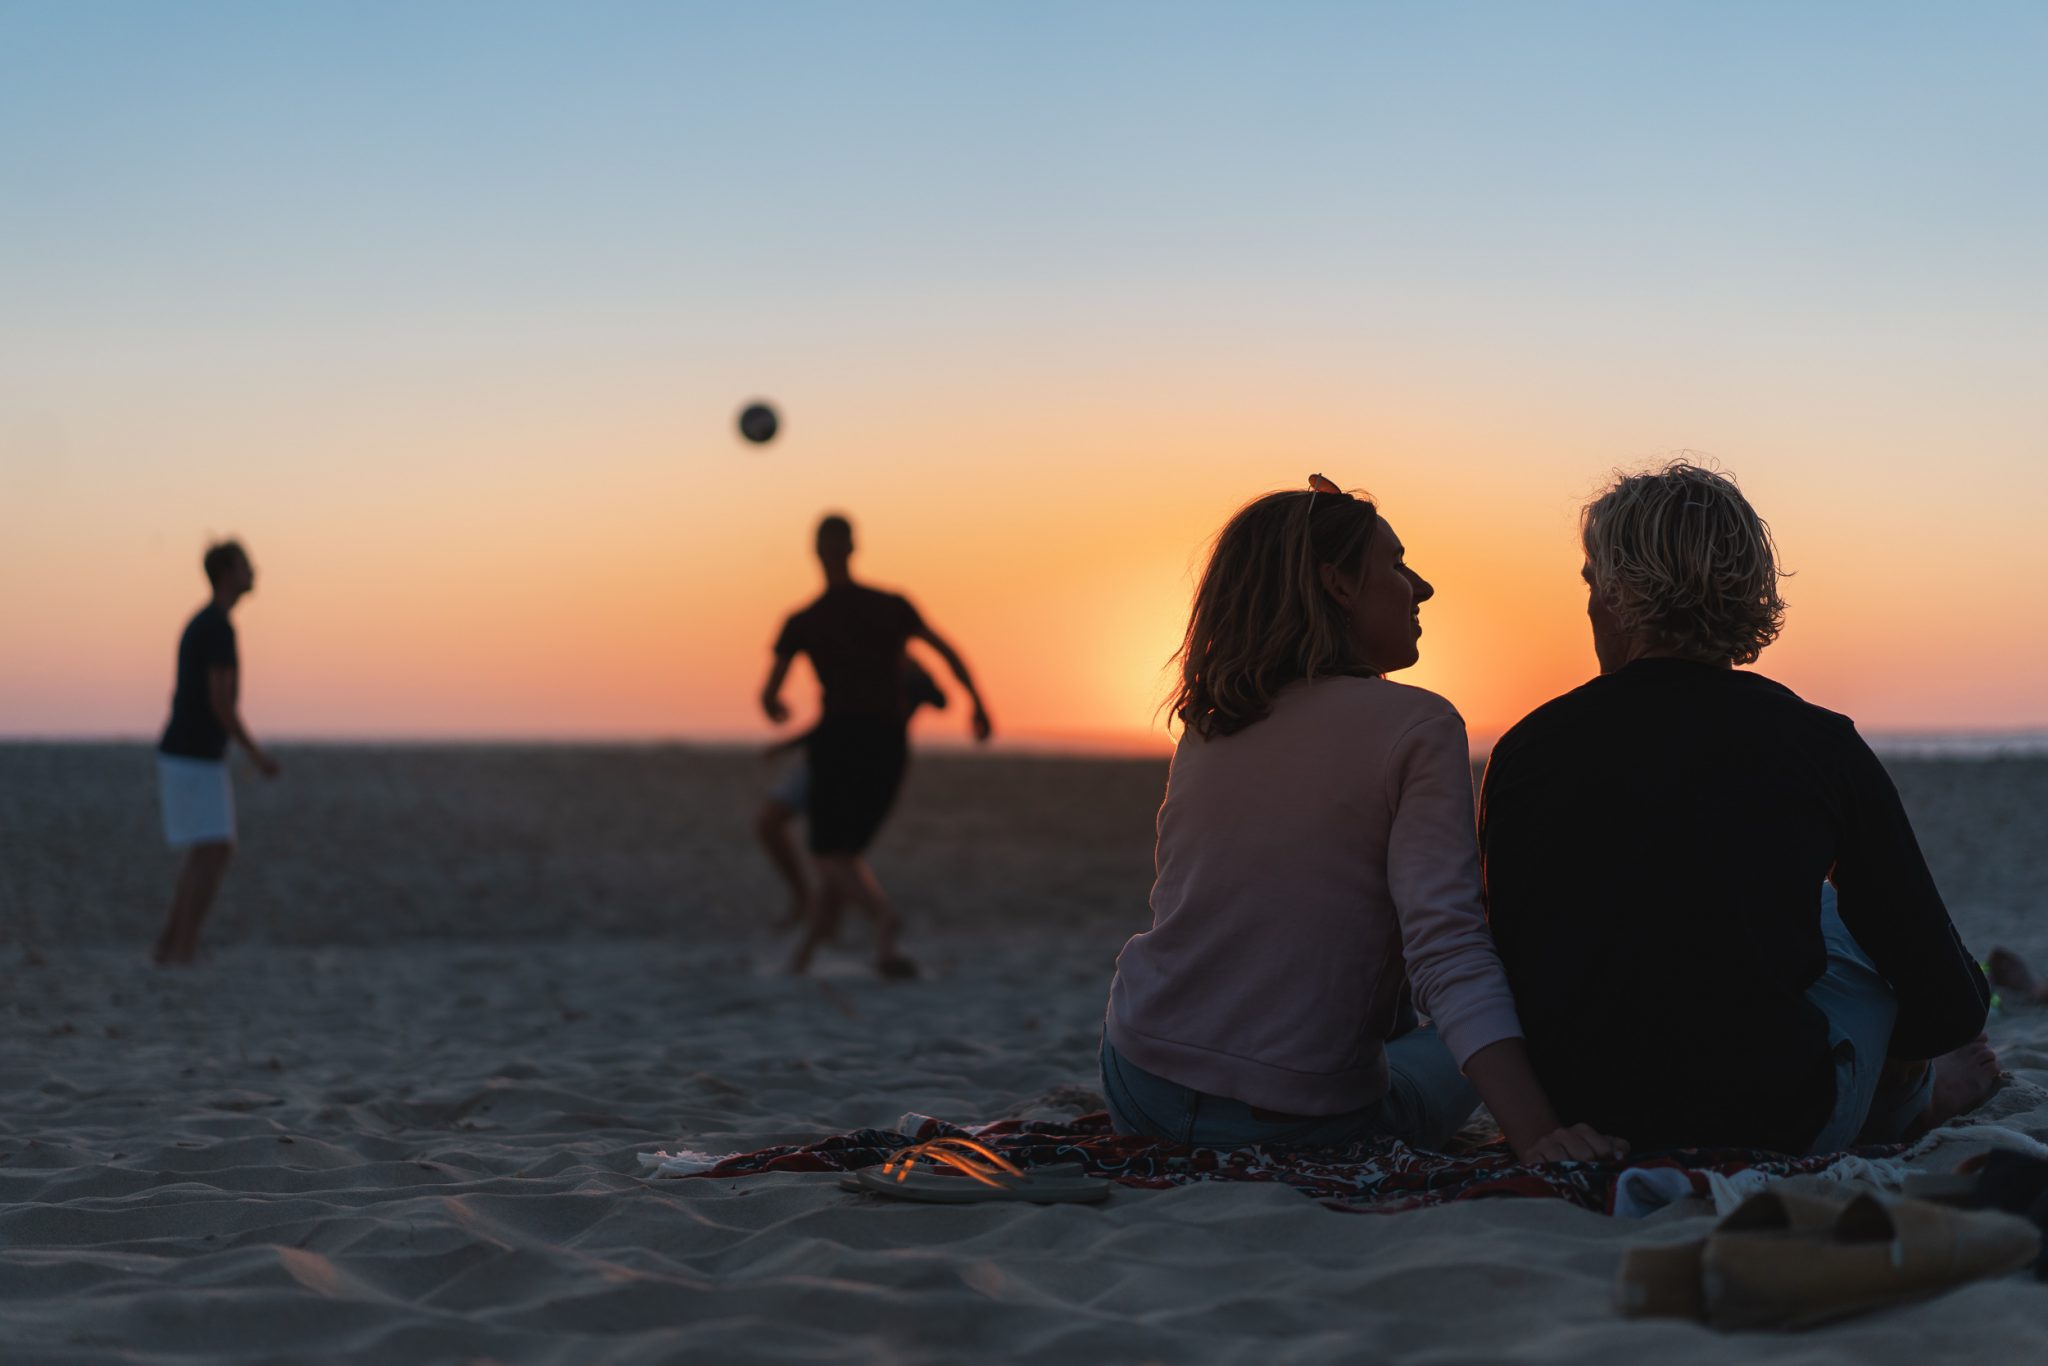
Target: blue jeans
{"points": [[1427, 1101], [1861, 1010]]}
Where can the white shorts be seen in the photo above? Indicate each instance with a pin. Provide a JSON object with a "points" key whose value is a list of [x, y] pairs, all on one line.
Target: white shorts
{"points": [[198, 801]]}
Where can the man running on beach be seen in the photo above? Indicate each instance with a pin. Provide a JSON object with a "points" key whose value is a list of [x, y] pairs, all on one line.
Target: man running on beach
{"points": [[192, 769], [775, 821], [855, 637]]}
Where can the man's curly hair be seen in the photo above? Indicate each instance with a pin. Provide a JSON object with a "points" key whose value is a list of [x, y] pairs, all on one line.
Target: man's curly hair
{"points": [[1682, 559]]}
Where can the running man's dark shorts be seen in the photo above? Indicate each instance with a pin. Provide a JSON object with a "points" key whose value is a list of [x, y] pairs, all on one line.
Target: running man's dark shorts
{"points": [[856, 768]]}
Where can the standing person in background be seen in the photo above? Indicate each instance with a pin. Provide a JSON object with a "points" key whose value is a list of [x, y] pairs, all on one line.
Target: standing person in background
{"points": [[855, 638], [192, 770]]}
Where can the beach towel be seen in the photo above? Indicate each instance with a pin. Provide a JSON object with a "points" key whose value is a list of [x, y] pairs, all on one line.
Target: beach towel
{"points": [[1376, 1176]]}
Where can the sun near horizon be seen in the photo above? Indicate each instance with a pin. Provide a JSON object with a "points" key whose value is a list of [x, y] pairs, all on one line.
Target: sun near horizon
{"points": [[460, 364], [561, 606]]}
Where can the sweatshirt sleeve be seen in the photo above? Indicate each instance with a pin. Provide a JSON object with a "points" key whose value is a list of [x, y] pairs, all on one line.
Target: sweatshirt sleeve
{"points": [[1433, 874], [1888, 900]]}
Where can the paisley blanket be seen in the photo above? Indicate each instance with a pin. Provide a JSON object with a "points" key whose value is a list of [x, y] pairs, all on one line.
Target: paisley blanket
{"points": [[1379, 1176]]}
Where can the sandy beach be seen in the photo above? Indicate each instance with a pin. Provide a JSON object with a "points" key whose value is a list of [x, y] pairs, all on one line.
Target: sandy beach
{"points": [[455, 992]]}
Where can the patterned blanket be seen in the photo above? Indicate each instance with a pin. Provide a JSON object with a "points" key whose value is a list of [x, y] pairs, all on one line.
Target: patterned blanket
{"points": [[1379, 1176]]}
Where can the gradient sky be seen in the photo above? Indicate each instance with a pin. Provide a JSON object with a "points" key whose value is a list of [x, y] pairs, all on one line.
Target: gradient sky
{"points": [[446, 308]]}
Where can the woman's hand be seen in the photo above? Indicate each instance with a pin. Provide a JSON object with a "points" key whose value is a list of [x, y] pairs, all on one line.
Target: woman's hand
{"points": [[1573, 1143]]}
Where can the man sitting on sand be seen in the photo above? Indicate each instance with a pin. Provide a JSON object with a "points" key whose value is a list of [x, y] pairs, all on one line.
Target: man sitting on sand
{"points": [[192, 768], [856, 754], [1718, 925]]}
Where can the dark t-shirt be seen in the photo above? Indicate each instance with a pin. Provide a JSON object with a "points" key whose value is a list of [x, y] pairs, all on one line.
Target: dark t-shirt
{"points": [[208, 643], [1654, 847], [854, 636]]}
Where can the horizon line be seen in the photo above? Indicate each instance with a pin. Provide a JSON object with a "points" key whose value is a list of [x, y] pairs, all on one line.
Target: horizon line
{"points": [[1961, 741]]}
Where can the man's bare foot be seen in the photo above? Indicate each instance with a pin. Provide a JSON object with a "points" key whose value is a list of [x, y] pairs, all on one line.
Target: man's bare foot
{"points": [[2011, 973], [1963, 1080]]}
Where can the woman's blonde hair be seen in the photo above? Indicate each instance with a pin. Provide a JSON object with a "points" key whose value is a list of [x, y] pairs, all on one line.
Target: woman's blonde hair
{"points": [[1261, 617], [1682, 559]]}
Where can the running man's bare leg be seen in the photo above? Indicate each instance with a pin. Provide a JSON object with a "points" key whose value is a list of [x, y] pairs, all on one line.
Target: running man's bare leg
{"points": [[856, 883], [821, 923], [775, 828], [199, 880]]}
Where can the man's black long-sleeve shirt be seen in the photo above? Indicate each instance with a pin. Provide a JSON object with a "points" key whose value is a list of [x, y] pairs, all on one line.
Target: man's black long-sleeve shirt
{"points": [[1654, 847]]}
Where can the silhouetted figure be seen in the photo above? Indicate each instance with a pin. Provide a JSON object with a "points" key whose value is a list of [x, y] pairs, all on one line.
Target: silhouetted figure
{"points": [[775, 822], [1717, 921], [855, 638], [192, 769], [1317, 877]]}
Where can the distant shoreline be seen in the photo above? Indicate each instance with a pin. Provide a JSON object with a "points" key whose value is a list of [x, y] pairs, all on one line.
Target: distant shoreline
{"points": [[2015, 744]]}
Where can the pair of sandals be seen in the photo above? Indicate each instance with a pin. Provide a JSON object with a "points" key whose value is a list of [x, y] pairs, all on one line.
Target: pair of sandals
{"points": [[960, 1171], [1789, 1258]]}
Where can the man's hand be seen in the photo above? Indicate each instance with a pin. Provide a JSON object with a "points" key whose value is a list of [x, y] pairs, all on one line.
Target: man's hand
{"points": [[983, 727], [777, 712], [1573, 1143], [265, 764]]}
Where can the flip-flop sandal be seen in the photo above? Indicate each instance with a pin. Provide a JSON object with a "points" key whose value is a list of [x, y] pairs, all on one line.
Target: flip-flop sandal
{"points": [[898, 968], [964, 1172]]}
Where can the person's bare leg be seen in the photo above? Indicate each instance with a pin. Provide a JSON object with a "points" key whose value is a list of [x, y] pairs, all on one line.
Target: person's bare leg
{"points": [[2013, 974], [822, 921], [865, 892], [213, 872], [209, 864], [774, 827], [182, 896]]}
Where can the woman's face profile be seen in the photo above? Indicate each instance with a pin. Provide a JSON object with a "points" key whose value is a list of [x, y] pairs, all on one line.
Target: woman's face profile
{"points": [[1386, 607]]}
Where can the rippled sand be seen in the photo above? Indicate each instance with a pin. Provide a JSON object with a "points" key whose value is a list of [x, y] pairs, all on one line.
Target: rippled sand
{"points": [[455, 993]]}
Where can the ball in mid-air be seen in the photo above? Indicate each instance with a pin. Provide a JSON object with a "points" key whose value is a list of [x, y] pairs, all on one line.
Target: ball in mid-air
{"points": [[758, 423]]}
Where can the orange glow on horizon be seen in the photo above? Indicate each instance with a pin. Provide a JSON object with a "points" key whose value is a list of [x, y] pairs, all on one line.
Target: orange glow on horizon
{"points": [[528, 577]]}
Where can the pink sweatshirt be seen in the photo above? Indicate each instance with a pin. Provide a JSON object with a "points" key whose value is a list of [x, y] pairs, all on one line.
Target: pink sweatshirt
{"points": [[1307, 866]]}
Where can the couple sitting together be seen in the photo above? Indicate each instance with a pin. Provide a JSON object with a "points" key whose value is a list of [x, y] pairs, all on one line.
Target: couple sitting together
{"points": [[1694, 914]]}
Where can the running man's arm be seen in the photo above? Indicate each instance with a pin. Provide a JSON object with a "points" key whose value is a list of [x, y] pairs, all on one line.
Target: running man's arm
{"points": [[983, 727], [224, 688], [771, 691]]}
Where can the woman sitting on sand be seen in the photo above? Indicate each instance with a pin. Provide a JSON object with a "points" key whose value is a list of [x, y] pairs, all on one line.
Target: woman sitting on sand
{"points": [[1317, 868]]}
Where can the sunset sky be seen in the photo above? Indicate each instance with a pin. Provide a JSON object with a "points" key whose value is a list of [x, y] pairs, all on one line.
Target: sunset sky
{"points": [[447, 310]]}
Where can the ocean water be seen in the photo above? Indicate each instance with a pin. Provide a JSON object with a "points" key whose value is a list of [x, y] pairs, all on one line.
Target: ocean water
{"points": [[1960, 744]]}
